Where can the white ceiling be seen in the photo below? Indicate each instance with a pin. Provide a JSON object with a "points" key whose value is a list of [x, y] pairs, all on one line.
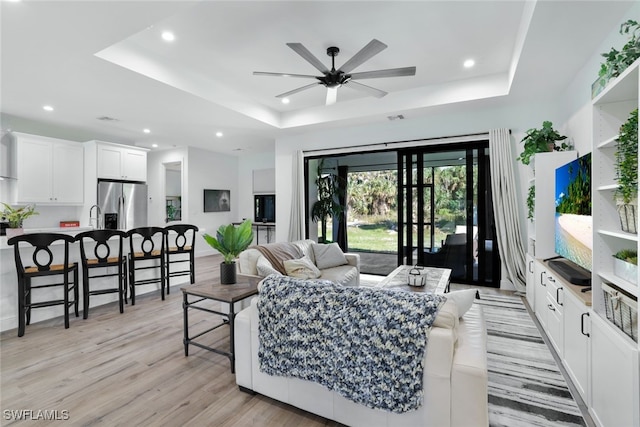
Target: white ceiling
{"points": [[91, 59]]}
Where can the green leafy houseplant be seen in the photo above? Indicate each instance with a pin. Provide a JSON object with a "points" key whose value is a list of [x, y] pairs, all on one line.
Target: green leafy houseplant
{"points": [[541, 140], [625, 265], [627, 255], [626, 166], [531, 200], [231, 240], [327, 205], [16, 216], [618, 61]]}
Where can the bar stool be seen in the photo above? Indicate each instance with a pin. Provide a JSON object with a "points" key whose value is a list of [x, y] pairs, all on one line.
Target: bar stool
{"points": [[40, 246], [143, 255], [180, 244], [100, 258]]}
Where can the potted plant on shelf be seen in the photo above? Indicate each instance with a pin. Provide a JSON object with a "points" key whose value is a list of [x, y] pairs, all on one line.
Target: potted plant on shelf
{"points": [[626, 165], [531, 200], [618, 61], [625, 265], [15, 218], [541, 141], [230, 241]]}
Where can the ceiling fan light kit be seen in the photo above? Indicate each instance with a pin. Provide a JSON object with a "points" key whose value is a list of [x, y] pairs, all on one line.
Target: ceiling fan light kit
{"points": [[333, 79]]}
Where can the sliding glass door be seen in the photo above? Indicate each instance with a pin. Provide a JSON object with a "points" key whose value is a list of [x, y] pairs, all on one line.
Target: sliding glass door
{"points": [[445, 215]]}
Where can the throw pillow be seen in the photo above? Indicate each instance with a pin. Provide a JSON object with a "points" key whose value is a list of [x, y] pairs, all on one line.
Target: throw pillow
{"points": [[301, 268], [264, 267], [463, 299], [328, 256]]}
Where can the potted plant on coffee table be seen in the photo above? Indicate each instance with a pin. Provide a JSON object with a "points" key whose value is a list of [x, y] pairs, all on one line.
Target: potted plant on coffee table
{"points": [[230, 241], [625, 265], [541, 140], [626, 165], [15, 218]]}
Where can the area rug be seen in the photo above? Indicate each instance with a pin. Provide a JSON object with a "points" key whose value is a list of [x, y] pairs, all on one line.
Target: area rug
{"points": [[526, 388]]}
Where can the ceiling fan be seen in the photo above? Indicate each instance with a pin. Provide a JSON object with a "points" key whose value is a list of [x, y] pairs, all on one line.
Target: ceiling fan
{"points": [[333, 79]]}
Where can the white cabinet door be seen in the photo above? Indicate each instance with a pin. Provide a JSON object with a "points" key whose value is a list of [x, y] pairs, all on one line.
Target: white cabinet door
{"points": [[555, 318], [614, 376], [540, 280], [134, 165], [576, 343], [34, 170], [68, 173], [531, 278], [109, 162]]}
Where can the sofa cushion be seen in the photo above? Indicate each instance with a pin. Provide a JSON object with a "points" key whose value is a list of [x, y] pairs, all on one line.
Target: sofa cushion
{"points": [[301, 268], [264, 267], [447, 316], [305, 248], [346, 275], [247, 260], [328, 256], [463, 299]]}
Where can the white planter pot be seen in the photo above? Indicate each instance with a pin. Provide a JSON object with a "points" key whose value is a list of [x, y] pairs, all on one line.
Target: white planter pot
{"points": [[625, 270], [11, 232]]}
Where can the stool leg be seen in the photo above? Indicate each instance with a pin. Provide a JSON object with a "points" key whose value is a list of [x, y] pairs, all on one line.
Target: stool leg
{"points": [[121, 287], [27, 299], [168, 264], [85, 293], [163, 278], [132, 280], [21, 308], [66, 299], [76, 291], [125, 276]]}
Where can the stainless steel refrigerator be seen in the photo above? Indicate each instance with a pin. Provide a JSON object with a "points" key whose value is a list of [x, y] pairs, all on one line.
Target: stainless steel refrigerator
{"points": [[123, 205]]}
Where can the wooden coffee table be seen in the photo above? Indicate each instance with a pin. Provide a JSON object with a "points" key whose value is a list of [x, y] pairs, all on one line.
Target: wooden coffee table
{"points": [[194, 295], [437, 279]]}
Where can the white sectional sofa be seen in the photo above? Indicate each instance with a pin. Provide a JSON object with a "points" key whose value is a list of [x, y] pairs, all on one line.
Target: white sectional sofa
{"points": [[345, 274], [454, 380]]}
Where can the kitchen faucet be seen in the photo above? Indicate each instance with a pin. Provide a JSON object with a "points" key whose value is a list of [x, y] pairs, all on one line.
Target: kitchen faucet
{"points": [[95, 219]]}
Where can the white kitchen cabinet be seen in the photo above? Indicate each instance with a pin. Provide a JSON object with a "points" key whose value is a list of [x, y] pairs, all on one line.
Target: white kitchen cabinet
{"points": [[49, 170], [540, 280], [121, 162], [555, 317], [577, 326], [531, 280]]}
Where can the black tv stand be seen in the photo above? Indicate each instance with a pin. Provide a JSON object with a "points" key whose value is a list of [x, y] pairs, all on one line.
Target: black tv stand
{"points": [[571, 272]]}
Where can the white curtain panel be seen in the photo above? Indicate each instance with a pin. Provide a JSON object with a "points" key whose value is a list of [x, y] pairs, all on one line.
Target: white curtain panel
{"points": [[505, 208], [296, 225]]}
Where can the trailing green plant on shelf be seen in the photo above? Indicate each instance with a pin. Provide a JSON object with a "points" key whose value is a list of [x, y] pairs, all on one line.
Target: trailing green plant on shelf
{"points": [[16, 216], [541, 140], [618, 61], [531, 200], [626, 160], [627, 255]]}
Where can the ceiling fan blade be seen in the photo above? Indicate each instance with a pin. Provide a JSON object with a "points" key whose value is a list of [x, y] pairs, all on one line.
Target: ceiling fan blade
{"points": [[392, 72], [364, 88], [373, 48], [264, 73], [300, 89], [332, 95], [308, 56]]}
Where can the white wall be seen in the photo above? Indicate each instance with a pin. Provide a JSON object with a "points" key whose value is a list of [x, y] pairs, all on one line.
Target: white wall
{"points": [[247, 164]]}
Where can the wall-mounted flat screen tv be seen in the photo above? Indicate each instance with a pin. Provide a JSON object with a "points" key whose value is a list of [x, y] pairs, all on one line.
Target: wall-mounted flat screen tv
{"points": [[217, 200], [264, 207], [574, 223]]}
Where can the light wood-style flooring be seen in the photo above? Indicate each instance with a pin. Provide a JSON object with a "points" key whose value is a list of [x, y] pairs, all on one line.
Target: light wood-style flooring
{"points": [[130, 369]]}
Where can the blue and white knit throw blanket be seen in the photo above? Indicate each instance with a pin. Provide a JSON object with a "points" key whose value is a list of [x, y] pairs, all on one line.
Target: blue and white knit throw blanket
{"points": [[366, 344]]}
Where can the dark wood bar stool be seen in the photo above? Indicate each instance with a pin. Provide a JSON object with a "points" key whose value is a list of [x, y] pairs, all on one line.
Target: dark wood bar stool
{"points": [[180, 248], [145, 253], [102, 257], [40, 246]]}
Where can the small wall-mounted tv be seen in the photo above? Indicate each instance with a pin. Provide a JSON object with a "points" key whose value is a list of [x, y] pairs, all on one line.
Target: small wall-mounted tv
{"points": [[574, 223], [217, 200], [264, 207]]}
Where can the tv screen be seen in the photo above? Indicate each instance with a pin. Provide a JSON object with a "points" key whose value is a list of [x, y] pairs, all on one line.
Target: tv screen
{"points": [[574, 223], [265, 208]]}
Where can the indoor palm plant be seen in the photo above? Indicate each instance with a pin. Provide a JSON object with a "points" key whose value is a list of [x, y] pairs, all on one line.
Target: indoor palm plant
{"points": [[230, 241], [16, 216], [327, 205], [541, 140], [626, 164]]}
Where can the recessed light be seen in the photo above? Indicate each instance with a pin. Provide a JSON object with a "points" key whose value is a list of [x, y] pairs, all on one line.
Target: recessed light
{"points": [[154, 145], [219, 134], [146, 130], [47, 108], [469, 63], [285, 100], [168, 36]]}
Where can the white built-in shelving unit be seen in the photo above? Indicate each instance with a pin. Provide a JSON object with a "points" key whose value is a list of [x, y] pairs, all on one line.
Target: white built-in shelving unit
{"points": [[615, 364]]}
